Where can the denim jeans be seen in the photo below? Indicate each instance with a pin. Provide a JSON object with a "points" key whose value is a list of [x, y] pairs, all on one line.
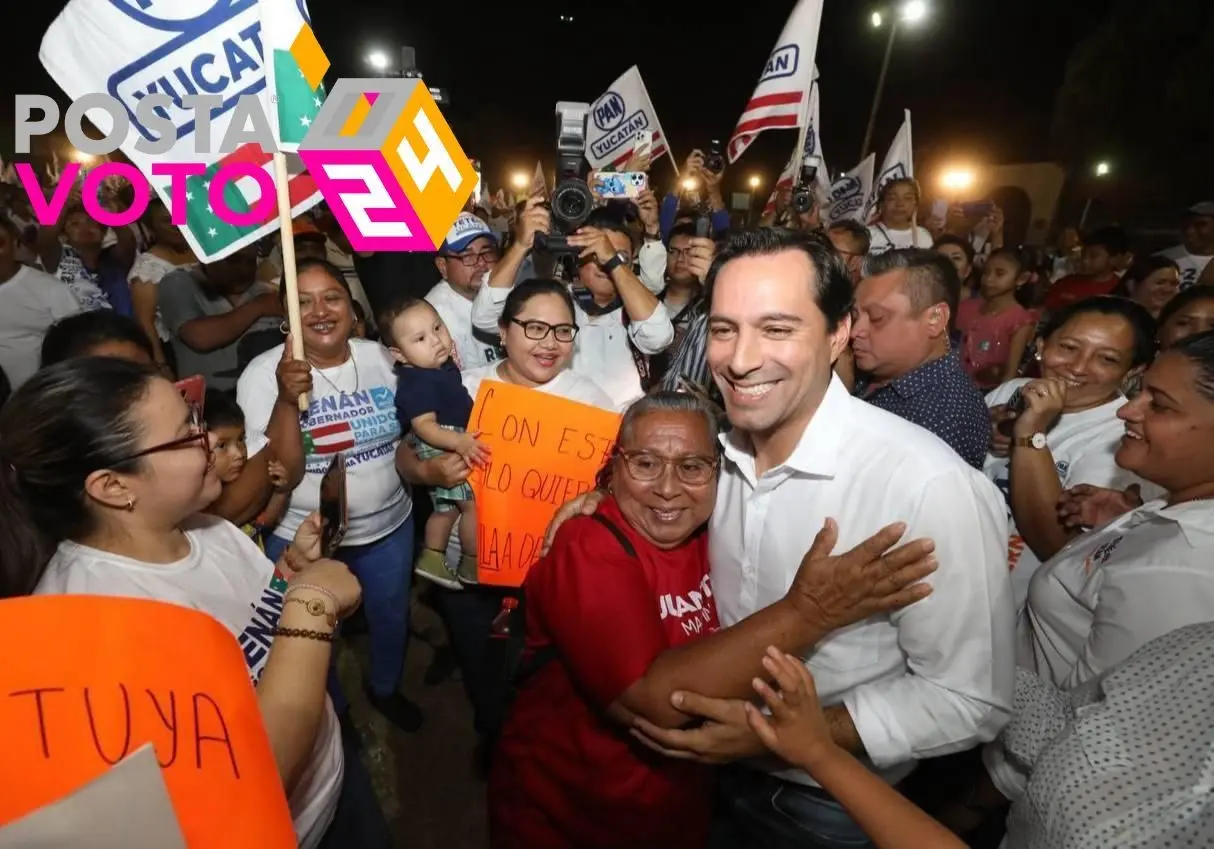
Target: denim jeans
{"points": [[384, 568], [758, 811]]}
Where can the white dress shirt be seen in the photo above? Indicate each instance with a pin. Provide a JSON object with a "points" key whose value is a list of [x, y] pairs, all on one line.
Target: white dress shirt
{"points": [[600, 351], [476, 349], [934, 678], [1116, 588]]}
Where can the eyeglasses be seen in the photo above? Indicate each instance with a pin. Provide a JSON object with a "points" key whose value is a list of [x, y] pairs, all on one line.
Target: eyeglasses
{"points": [[647, 467], [471, 260], [199, 437], [539, 330]]}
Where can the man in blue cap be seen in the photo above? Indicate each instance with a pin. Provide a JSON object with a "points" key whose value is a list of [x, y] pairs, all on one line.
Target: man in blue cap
{"points": [[464, 260]]}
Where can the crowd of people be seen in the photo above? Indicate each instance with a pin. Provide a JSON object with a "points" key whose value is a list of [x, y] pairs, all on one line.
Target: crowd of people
{"points": [[905, 539]]}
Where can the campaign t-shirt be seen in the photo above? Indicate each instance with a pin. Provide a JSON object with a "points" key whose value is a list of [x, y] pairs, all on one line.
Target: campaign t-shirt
{"points": [[475, 348], [1191, 265], [563, 774], [883, 238], [30, 302], [353, 411], [1083, 445], [227, 577]]}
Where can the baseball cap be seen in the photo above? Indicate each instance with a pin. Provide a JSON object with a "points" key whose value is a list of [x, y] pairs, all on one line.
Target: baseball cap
{"points": [[1205, 208], [463, 232]]}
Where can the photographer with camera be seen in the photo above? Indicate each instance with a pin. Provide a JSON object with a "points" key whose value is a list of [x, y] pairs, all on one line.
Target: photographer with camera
{"points": [[706, 171], [620, 321]]}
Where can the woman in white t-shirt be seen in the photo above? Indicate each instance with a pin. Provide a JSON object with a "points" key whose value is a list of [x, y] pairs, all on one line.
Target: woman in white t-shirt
{"points": [[104, 470], [352, 415], [1114, 589], [169, 252], [896, 227], [538, 331], [1068, 430]]}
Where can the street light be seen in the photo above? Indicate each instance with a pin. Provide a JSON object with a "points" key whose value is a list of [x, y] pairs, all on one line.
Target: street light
{"points": [[911, 12], [378, 60], [755, 181], [1103, 169], [519, 180], [690, 184], [957, 180]]}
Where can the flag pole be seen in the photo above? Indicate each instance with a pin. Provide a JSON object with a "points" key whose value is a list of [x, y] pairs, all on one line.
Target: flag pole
{"points": [[289, 280]]}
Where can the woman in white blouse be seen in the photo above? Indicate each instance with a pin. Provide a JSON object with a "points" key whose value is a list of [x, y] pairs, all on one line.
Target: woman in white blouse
{"points": [[1061, 430], [169, 252]]}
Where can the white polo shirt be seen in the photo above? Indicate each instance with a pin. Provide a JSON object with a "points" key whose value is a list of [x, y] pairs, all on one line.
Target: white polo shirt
{"points": [[934, 678], [476, 349], [1114, 589]]}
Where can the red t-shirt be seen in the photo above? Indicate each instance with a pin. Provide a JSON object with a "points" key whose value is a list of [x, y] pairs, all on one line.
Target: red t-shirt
{"points": [[1076, 287], [564, 775]]}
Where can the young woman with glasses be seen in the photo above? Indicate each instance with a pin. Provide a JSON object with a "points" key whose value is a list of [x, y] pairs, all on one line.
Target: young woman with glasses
{"points": [[104, 472]]}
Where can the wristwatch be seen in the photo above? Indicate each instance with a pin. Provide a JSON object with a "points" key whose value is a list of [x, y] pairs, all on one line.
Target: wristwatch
{"points": [[1037, 440], [615, 262]]}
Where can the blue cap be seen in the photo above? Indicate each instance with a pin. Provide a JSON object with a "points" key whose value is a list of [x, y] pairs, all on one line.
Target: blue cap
{"points": [[466, 229]]}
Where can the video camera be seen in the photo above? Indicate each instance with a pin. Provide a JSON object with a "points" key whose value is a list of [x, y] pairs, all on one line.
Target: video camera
{"points": [[803, 199], [572, 201]]}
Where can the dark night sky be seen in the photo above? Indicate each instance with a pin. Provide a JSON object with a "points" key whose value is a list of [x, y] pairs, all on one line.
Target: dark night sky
{"points": [[979, 75]]}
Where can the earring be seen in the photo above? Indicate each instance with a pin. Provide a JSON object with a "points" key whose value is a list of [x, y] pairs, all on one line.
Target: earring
{"points": [[1037, 356], [284, 328], [130, 505]]}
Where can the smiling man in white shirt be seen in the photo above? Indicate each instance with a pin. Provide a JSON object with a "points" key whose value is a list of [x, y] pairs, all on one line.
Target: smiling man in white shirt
{"points": [[465, 258], [934, 678]]}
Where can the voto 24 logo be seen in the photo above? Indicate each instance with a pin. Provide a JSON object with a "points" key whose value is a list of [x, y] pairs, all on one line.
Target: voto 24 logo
{"points": [[378, 150]]}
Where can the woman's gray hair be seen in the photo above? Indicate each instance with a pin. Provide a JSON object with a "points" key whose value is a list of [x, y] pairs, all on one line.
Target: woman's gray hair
{"points": [[666, 401]]}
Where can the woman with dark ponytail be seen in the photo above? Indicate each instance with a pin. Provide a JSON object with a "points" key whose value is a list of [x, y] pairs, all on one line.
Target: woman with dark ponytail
{"points": [[104, 472]]}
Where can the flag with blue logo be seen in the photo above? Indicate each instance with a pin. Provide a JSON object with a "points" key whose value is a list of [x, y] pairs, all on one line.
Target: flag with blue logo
{"points": [[849, 194], [132, 48], [295, 68], [615, 119], [899, 164]]}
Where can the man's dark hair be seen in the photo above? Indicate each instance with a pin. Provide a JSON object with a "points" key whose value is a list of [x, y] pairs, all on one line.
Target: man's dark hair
{"points": [[1112, 239], [956, 241], [76, 335], [831, 282], [609, 217], [687, 228], [931, 277], [857, 231]]}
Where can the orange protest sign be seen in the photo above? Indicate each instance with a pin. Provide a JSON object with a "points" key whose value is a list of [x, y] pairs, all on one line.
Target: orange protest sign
{"points": [[94, 678], [546, 451]]}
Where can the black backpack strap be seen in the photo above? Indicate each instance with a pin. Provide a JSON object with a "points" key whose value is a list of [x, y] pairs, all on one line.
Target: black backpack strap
{"points": [[537, 660], [615, 532]]}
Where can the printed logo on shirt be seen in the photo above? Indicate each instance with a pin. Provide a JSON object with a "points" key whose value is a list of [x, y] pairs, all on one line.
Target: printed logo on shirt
{"points": [[692, 609], [1101, 555], [363, 424], [258, 635], [85, 284], [1015, 548]]}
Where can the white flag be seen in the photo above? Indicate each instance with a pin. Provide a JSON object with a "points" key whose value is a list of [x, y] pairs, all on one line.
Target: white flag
{"points": [[615, 119], [811, 148], [778, 101], [899, 164], [130, 51], [849, 194]]}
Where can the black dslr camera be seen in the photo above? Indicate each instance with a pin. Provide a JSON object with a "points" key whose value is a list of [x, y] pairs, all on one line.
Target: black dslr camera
{"points": [[714, 160], [803, 200], [572, 200]]}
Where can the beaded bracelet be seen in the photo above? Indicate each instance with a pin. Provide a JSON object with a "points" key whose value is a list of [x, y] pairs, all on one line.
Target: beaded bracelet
{"points": [[306, 633]]}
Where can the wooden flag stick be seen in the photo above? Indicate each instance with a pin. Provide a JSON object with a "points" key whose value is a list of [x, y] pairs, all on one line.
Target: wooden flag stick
{"points": [[286, 229]]}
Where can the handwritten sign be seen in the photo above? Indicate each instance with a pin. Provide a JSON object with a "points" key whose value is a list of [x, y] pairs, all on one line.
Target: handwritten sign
{"points": [[546, 451], [103, 676]]}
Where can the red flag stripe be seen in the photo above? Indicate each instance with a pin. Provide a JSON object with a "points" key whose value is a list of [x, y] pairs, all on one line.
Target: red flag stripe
{"points": [[757, 125], [783, 98]]}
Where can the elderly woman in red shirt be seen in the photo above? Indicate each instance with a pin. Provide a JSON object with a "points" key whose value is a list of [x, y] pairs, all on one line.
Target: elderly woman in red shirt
{"points": [[622, 608]]}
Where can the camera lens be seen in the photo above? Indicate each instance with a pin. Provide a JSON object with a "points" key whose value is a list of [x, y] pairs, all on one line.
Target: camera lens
{"points": [[572, 203]]}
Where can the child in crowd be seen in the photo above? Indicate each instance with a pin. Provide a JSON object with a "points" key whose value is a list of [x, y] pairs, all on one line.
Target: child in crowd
{"points": [[995, 328], [434, 406], [225, 424], [1104, 252]]}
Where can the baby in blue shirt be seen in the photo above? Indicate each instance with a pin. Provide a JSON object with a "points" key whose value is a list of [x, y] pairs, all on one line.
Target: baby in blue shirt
{"points": [[433, 407]]}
